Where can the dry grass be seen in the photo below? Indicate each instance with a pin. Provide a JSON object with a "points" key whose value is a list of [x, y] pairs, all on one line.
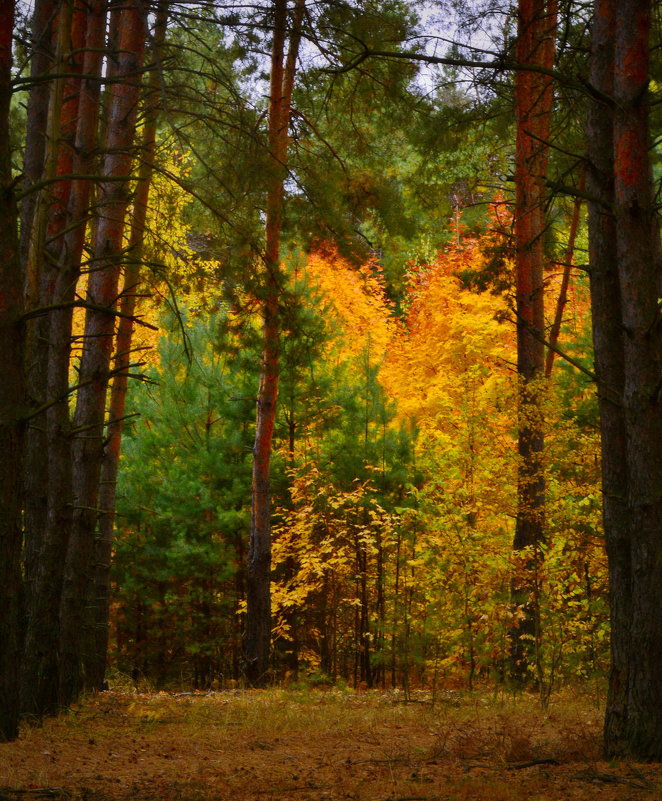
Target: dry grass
{"points": [[319, 745]]}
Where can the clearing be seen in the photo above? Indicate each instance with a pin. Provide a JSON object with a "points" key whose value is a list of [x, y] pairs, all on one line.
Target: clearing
{"points": [[316, 745]]}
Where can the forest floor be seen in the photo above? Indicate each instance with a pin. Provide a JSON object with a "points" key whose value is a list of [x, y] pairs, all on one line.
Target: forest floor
{"points": [[320, 746]]}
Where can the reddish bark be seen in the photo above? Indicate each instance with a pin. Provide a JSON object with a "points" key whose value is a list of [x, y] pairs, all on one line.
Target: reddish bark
{"points": [[638, 249], [60, 502], [609, 359], [12, 403], [64, 155], [258, 577], [38, 292], [94, 370], [95, 659], [51, 353], [49, 220], [533, 92], [625, 279]]}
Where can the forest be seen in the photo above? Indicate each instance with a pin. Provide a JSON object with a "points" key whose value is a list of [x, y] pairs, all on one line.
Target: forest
{"points": [[331, 359]]}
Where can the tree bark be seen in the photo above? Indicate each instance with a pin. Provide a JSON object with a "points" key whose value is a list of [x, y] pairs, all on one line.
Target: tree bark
{"points": [[608, 349], [34, 489], [94, 370], [41, 57], [533, 92], [258, 575], [45, 110], [12, 403], [625, 282], [60, 489], [95, 658], [638, 250], [45, 445]]}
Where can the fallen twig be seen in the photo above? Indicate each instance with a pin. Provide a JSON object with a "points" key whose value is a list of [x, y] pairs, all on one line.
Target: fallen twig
{"points": [[640, 774], [532, 762]]}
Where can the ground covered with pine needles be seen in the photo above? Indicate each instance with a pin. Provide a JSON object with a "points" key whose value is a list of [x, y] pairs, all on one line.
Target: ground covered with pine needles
{"points": [[320, 745]]}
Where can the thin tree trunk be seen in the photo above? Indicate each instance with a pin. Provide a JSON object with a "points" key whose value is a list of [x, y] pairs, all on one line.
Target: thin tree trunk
{"points": [[95, 658], [536, 27], [94, 370], [380, 671], [562, 299], [258, 574], [395, 643], [12, 403]]}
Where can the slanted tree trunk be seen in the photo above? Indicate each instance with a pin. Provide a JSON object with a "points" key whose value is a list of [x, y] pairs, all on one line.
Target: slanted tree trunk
{"points": [[12, 403], [533, 91], [95, 658], [562, 299], [94, 369], [258, 576]]}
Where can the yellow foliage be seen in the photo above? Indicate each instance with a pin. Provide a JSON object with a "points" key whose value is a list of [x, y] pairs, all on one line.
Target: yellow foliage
{"points": [[356, 303], [454, 343]]}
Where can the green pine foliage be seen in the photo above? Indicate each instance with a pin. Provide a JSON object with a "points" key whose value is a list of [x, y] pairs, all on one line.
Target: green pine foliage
{"points": [[183, 512], [393, 508]]}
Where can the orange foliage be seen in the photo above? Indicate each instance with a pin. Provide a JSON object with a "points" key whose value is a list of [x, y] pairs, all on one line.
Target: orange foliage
{"points": [[356, 302], [453, 340]]}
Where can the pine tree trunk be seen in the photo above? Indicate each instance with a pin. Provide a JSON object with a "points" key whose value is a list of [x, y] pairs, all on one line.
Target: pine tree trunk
{"points": [[258, 574], [95, 657], [34, 489], [12, 403], [94, 373], [35, 476], [41, 57], [39, 677], [60, 504], [536, 29], [609, 362], [626, 272], [44, 110], [638, 252]]}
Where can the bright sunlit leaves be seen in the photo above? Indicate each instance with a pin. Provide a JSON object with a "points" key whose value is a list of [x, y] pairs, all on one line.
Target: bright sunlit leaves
{"points": [[394, 480]]}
